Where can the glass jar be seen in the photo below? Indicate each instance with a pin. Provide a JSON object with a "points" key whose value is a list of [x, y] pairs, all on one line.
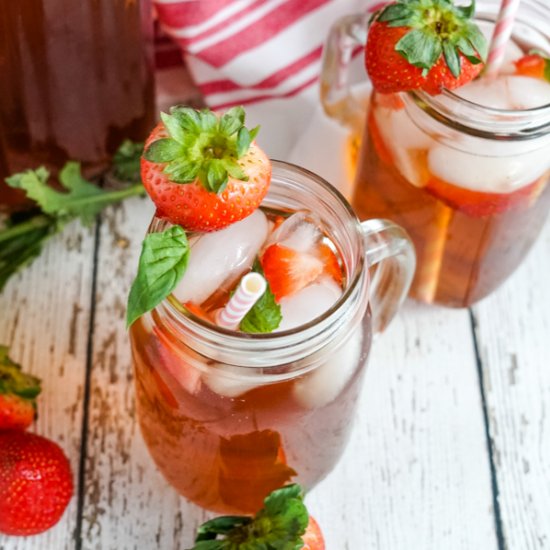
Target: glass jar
{"points": [[229, 416], [76, 79], [468, 182]]}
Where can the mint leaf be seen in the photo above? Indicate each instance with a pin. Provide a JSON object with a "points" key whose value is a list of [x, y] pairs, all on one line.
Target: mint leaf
{"points": [[126, 161], [163, 261], [265, 315]]}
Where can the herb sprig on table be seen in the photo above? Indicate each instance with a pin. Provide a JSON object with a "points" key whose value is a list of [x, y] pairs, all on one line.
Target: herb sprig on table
{"points": [[22, 235]]}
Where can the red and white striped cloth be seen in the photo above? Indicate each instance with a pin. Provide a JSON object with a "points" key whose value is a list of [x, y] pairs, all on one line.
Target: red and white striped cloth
{"points": [[264, 54]]}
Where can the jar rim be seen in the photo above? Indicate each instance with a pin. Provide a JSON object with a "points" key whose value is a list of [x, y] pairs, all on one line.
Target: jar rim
{"points": [[302, 336], [488, 122]]}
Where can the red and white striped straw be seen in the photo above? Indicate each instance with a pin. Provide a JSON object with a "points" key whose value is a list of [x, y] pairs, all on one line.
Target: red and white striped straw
{"points": [[501, 35], [251, 287]]}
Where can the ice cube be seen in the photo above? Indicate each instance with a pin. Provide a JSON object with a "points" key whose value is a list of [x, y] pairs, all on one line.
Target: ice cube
{"points": [[491, 174], [489, 93], [299, 231], [221, 256], [401, 131], [528, 93], [308, 303], [322, 385], [403, 139], [229, 381]]}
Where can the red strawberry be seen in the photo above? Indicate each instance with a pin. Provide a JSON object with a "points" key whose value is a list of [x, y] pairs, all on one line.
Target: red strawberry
{"points": [[203, 171], [35, 483], [313, 538], [428, 45], [534, 65], [288, 271], [18, 392], [479, 203]]}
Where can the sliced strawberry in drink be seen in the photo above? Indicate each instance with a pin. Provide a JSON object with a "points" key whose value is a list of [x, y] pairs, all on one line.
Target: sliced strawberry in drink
{"points": [[331, 266], [288, 270], [533, 65], [481, 203], [176, 362]]}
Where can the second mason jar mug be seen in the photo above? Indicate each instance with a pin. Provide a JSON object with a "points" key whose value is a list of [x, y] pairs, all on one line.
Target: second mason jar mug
{"points": [[465, 172], [230, 416]]}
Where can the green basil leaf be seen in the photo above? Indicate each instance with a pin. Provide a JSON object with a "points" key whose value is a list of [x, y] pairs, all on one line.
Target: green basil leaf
{"points": [[163, 261]]}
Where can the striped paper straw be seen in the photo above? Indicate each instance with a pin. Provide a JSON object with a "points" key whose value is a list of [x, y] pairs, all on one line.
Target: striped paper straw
{"points": [[501, 35], [251, 287]]}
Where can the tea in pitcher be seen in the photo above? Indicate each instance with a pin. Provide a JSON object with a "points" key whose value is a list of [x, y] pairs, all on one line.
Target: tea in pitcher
{"points": [[76, 80]]}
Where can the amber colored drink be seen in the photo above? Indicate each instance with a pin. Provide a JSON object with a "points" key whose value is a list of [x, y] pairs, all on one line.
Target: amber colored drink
{"points": [[76, 79], [227, 453], [468, 241], [224, 437]]}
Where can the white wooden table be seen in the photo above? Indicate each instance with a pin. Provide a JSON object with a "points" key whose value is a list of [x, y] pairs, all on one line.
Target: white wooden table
{"points": [[451, 448]]}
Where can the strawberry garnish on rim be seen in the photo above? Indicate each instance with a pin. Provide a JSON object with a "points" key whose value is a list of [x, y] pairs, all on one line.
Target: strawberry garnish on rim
{"points": [[203, 170], [424, 44]]}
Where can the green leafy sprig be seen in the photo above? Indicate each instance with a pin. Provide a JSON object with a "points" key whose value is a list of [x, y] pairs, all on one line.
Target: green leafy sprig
{"points": [[202, 145], [279, 525], [437, 27], [23, 235]]}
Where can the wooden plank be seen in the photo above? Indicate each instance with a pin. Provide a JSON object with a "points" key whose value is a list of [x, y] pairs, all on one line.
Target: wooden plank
{"points": [[416, 473], [45, 313], [127, 502], [418, 454], [513, 330]]}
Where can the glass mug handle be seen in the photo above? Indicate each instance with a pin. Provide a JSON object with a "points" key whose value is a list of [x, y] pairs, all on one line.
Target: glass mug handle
{"points": [[345, 36], [391, 260]]}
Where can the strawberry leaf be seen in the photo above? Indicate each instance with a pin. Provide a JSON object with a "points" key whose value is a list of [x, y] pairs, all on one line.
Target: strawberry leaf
{"points": [[216, 175], [174, 128], [419, 49], [452, 58], [163, 150], [203, 145], [163, 261], [280, 525], [14, 381], [184, 171], [477, 40]]}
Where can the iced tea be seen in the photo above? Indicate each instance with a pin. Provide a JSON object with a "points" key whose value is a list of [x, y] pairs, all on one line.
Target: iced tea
{"points": [[76, 79]]}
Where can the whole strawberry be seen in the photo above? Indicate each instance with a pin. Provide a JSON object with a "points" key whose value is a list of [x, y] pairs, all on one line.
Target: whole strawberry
{"points": [[424, 44], [203, 170], [35, 483], [282, 524], [18, 392]]}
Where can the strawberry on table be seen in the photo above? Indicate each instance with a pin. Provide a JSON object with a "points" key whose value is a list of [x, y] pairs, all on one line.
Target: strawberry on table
{"points": [[35, 483], [282, 524], [18, 392], [423, 44], [203, 170]]}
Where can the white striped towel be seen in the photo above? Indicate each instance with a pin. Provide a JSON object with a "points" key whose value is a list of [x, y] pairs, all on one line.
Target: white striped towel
{"points": [[263, 54]]}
